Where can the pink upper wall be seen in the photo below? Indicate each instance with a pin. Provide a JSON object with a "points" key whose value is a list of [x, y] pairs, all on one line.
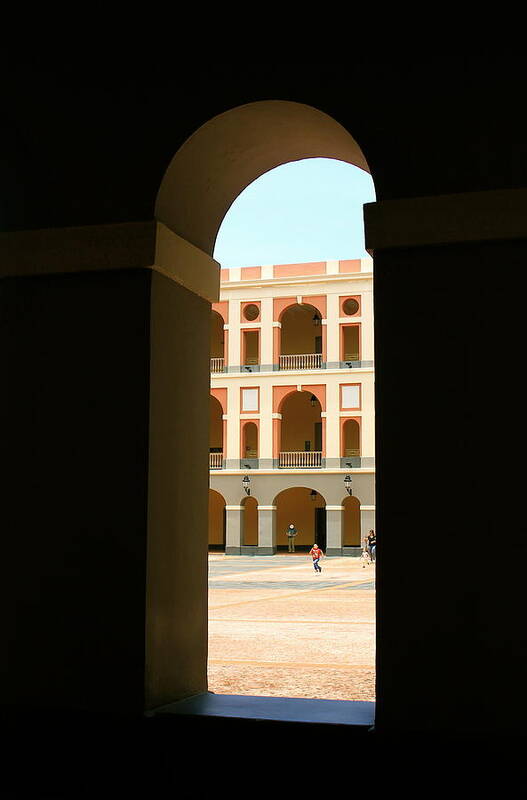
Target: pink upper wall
{"points": [[350, 266], [251, 273], [279, 271], [293, 270]]}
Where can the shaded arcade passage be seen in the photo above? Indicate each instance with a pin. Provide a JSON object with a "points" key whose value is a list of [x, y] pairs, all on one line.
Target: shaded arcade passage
{"points": [[217, 521], [306, 510]]}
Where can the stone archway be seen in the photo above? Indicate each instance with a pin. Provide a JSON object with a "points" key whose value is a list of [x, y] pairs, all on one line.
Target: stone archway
{"points": [[251, 139], [305, 509]]}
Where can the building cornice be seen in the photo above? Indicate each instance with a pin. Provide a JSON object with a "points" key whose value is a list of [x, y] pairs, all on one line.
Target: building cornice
{"points": [[341, 277]]}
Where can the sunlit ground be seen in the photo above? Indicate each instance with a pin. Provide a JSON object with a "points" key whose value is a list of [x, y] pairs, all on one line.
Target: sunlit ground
{"points": [[278, 629]]}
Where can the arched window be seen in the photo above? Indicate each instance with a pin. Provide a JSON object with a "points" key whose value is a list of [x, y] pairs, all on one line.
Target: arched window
{"points": [[249, 522]]}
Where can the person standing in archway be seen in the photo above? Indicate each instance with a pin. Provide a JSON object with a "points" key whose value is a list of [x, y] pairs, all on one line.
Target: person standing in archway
{"points": [[291, 533], [316, 554]]}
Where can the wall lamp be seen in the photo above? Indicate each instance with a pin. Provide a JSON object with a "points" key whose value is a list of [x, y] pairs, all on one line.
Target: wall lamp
{"points": [[246, 483], [316, 320], [313, 400], [347, 483], [313, 495]]}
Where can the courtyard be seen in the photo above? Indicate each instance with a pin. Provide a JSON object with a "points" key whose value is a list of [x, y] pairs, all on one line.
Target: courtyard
{"points": [[278, 629]]}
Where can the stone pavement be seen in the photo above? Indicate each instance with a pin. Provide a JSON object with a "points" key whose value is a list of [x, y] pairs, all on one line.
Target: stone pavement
{"points": [[276, 628]]}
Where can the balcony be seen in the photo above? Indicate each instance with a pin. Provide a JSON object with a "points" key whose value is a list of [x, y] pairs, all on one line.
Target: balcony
{"points": [[217, 364], [304, 361], [300, 459], [215, 460]]}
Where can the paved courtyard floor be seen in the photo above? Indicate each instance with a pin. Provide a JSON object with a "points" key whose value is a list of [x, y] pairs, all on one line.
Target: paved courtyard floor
{"points": [[276, 628]]}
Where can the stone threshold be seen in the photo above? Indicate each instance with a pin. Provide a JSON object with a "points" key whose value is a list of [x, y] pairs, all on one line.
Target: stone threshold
{"points": [[354, 713]]}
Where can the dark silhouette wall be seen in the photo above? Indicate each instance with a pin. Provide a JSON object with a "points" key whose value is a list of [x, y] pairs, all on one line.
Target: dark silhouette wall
{"points": [[81, 151]]}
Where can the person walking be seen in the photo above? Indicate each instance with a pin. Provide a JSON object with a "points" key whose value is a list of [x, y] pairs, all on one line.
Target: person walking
{"points": [[372, 542], [291, 533], [316, 554]]}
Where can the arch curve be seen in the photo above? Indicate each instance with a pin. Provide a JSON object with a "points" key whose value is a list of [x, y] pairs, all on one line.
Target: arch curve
{"points": [[311, 390], [230, 151], [307, 306]]}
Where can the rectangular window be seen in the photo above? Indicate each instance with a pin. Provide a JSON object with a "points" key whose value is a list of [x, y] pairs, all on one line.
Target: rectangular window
{"points": [[250, 347], [350, 396], [250, 400], [350, 343]]}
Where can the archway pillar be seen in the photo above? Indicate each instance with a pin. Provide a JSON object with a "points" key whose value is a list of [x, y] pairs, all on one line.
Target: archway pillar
{"points": [[105, 328], [233, 530], [468, 636], [334, 530], [266, 530]]}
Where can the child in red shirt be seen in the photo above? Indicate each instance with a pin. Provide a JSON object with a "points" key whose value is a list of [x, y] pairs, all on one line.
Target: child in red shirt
{"points": [[316, 554]]}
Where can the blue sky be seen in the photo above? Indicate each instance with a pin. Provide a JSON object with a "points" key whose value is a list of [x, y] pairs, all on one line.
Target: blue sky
{"points": [[309, 210]]}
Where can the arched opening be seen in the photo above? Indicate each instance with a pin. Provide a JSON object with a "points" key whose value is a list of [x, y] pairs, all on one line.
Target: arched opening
{"points": [[251, 139], [217, 521], [249, 522], [249, 445], [306, 509], [217, 342], [205, 176], [351, 534], [350, 443], [301, 338], [301, 435], [215, 434]]}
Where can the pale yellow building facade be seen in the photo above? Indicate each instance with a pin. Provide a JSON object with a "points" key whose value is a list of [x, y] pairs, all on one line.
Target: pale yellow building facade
{"points": [[292, 428]]}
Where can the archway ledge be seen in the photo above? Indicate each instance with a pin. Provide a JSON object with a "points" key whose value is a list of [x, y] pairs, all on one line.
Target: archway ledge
{"points": [[230, 151], [489, 215], [126, 245]]}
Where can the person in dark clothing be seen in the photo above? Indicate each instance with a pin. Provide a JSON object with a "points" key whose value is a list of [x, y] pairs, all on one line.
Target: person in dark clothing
{"points": [[291, 533], [371, 544]]}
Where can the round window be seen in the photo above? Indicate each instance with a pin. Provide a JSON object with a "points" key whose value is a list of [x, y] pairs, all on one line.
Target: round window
{"points": [[350, 306], [251, 312]]}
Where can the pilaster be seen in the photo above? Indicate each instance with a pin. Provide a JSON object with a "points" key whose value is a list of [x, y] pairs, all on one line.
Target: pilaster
{"points": [[266, 530], [334, 524], [233, 530]]}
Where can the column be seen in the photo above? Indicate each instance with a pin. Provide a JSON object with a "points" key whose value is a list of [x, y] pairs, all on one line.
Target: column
{"points": [[234, 342], [332, 331], [265, 443], [232, 452], [106, 387], [334, 524], [277, 343], [233, 530], [367, 326], [266, 530], [332, 415], [266, 333]]}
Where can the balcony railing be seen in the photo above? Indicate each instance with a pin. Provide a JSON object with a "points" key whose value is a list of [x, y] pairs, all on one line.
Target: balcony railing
{"points": [[305, 361], [215, 460], [301, 459], [217, 364]]}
